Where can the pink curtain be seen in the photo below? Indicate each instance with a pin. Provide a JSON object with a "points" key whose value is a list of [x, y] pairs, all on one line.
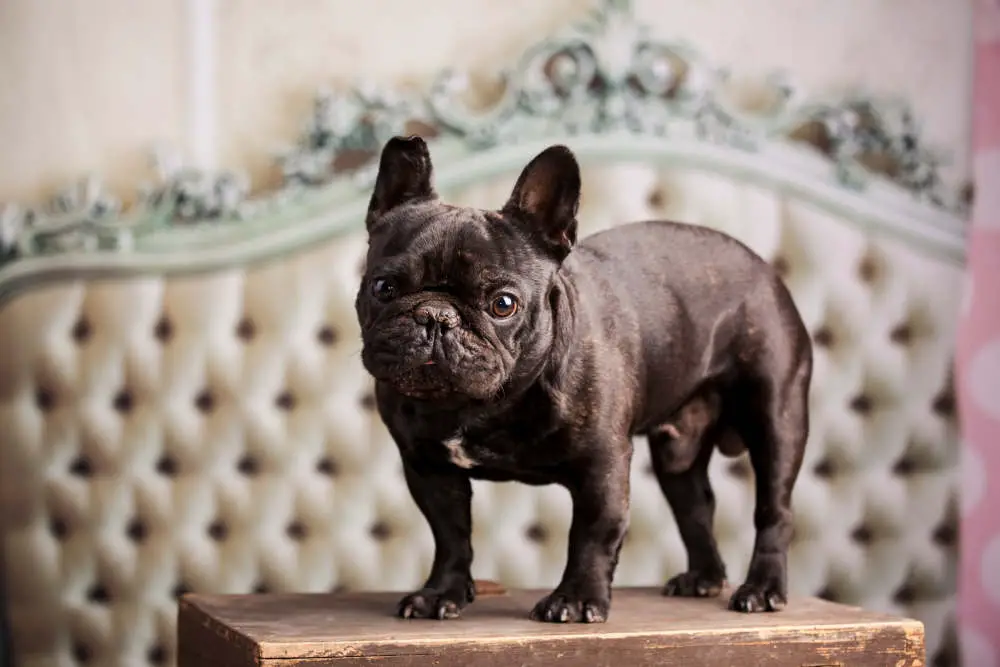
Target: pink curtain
{"points": [[978, 367]]}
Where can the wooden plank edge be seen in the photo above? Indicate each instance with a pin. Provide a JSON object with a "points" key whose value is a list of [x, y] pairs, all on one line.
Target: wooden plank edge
{"points": [[204, 640]]}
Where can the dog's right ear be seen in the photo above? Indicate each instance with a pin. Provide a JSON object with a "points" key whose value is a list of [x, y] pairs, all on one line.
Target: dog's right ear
{"points": [[404, 175]]}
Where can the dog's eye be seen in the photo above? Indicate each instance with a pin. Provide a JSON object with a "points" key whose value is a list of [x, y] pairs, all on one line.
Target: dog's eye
{"points": [[383, 289], [503, 306]]}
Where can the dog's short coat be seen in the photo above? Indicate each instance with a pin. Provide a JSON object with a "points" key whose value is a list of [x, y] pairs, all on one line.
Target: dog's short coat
{"points": [[504, 350]]}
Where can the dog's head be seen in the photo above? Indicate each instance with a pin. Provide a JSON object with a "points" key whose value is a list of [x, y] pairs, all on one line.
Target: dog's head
{"points": [[460, 302]]}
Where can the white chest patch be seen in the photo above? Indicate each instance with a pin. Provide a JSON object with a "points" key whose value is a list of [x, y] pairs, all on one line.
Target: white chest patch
{"points": [[457, 454]]}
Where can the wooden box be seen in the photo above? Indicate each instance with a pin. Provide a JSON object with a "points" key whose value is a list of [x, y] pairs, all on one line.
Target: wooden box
{"points": [[645, 628]]}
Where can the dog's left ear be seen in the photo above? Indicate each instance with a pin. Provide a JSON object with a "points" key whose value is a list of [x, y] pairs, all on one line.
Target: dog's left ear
{"points": [[404, 174], [547, 196]]}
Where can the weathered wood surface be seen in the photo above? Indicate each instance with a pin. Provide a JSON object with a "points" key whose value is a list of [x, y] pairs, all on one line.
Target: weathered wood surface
{"points": [[645, 628]]}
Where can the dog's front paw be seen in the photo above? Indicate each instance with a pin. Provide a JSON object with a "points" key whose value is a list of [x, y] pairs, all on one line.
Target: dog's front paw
{"points": [[428, 603], [564, 608], [750, 598], [695, 585]]}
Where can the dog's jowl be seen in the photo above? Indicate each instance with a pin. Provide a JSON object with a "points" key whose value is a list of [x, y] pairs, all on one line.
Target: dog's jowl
{"points": [[502, 349]]}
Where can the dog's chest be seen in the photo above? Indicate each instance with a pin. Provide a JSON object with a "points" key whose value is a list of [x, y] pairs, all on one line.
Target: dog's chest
{"points": [[498, 455]]}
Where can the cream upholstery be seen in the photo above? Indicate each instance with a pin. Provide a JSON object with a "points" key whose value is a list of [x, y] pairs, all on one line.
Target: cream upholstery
{"points": [[216, 433]]}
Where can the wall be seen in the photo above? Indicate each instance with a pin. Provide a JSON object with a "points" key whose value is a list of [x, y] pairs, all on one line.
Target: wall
{"points": [[90, 85]]}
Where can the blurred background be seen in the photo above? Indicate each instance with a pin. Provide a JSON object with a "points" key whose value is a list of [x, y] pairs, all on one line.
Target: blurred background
{"points": [[110, 511]]}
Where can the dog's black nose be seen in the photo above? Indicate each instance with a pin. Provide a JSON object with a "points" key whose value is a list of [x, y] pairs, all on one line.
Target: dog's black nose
{"points": [[440, 313]]}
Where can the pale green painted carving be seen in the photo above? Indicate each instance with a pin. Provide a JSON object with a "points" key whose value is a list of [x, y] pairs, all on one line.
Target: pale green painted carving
{"points": [[606, 87]]}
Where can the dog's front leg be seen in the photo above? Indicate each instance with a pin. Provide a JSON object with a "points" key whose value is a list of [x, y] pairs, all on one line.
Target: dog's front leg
{"points": [[600, 519], [445, 499]]}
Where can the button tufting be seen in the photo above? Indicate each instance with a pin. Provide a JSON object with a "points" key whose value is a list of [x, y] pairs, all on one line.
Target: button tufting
{"points": [[868, 269], [205, 401], [902, 334], [381, 531], [81, 467], [137, 531], [781, 266], [944, 404], [862, 404], [123, 402], [45, 399], [59, 529], [98, 594], [905, 595], [285, 400], [246, 330], [649, 470], [327, 335], [164, 330], [327, 466], [536, 533], [740, 469], [180, 589], [82, 330], [248, 465], [260, 589], [82, 652], [218, 530], [297, 531], [656, 198], [824, 337], [157, 654], [368, 402], [825, 469], [338, 588], [167, 466], [827, 593], [863, 535], [945, 535]]}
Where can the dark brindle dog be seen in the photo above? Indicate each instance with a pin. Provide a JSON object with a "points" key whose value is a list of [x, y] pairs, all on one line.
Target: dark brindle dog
{"points": [[504, 350]]}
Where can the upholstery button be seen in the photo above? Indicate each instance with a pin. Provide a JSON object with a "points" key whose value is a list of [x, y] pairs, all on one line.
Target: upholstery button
{"points": [[905, 466], [327, 466], [82, 330], [45, 399], [246, 330], [59, 529], [649, 470], [902, 334], [536, 533], [157, 654], [180, 589], [905, 595], [248, 466], [863, 535], [285, 400], [825, 469], [218, 530], [167, 466], [823, 337], [741, 469], [82, 653], [123, 402], [136, 531], [868, 269], [368, 402], [945, 535], [98, 594], [164, 330], [327, 335], [656, 199], [944, 404], [862, 404], [260, 589], [297, 531], [338, 588], [781, 266], [81, 467], [205, 401], [827, 593], [381, 531]]}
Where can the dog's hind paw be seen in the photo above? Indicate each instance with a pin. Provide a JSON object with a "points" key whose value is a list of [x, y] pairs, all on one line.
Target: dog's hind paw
{"points": [[694, 585]]}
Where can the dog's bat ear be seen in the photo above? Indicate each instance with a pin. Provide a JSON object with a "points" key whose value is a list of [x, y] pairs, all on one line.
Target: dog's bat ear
{"points": [[404, 175], [547, 196]]}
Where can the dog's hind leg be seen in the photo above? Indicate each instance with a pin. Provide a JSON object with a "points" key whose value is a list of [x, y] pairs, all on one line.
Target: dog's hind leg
{"points": [[689, 494]]}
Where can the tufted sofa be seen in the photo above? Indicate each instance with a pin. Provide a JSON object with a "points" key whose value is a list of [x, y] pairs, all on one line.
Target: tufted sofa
{"points": [[183, 408]]}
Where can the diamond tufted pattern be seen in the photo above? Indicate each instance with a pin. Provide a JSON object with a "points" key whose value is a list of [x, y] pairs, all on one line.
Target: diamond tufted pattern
{"points": [[216, 433]]}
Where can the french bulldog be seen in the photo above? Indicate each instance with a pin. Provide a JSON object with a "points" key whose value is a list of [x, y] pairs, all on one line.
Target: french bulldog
{"points": [[501, 349]]}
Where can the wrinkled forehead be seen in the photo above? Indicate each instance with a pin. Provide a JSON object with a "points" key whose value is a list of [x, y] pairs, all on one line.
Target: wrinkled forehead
{"points": [[441, 242]]}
